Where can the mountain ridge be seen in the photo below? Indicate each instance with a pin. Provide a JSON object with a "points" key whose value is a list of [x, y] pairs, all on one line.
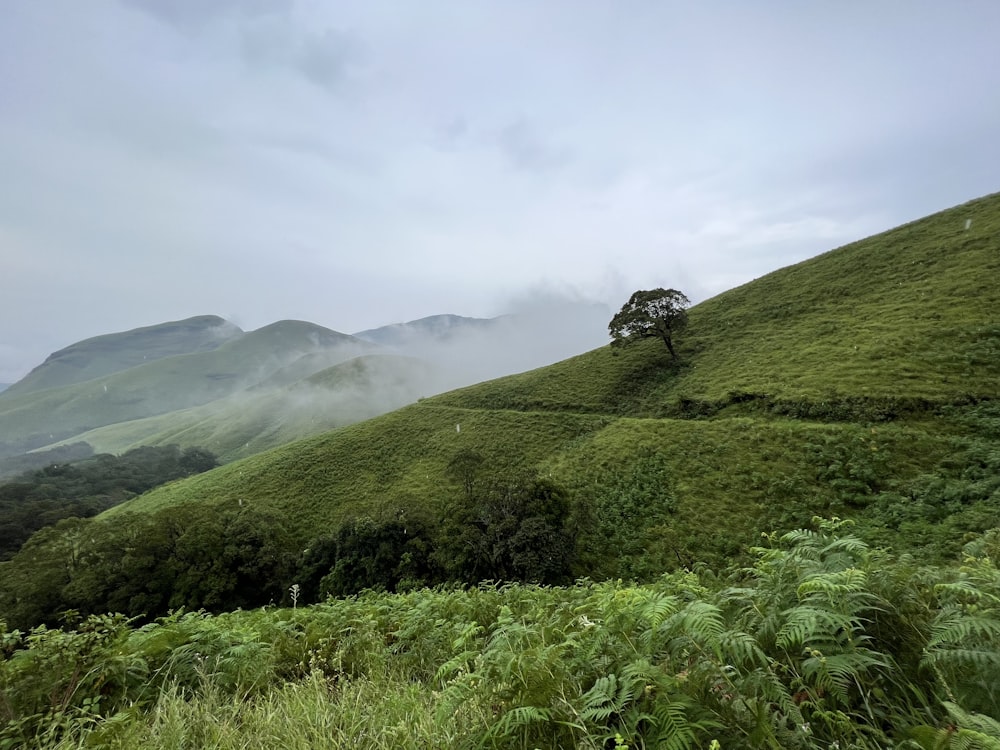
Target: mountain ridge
{"points": [[177, 396], [166, 383], [78, 362]]}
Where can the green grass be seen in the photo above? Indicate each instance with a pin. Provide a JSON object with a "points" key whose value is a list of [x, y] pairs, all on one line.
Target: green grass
{"points": [[309, 714], [276, 413], [820, 642], [104, 355], [823, 385], [168, 384], [913, 312]]}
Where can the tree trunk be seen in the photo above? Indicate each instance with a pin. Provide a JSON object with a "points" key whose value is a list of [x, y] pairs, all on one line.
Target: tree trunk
{"points": [[670, 345]]}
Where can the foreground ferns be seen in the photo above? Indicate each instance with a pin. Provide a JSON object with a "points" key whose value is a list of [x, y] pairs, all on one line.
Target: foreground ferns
{"points": [[821, 643]]}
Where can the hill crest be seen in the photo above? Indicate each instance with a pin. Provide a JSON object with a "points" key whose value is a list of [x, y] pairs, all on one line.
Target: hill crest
{"points": [[109, 353]]}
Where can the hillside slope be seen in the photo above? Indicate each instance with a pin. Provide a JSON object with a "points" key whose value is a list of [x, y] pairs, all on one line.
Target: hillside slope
{"points": [[889, 343], [603, 466], [272, 414], [104, 355], [910, 314], [167, 384]]}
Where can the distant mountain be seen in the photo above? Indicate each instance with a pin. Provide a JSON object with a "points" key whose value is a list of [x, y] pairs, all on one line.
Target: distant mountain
{"points": [[115, 352], [270, 415], [434, 327], [204, 382], [33, 419], [4, 387], [470, 350]]}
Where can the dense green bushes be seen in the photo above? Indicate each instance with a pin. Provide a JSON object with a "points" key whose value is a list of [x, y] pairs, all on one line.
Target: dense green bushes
{"points": [[39, 498], [144, 565], [502, 528], [822, 642]]}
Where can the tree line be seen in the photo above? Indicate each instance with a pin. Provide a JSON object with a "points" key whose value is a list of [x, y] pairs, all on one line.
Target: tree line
{"points": [[35, 499], [495, 527]]}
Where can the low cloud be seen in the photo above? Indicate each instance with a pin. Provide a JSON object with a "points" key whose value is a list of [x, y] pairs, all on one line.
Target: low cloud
{"points": [[525, 149], [325, 59], [193, 15], [543, 327]]}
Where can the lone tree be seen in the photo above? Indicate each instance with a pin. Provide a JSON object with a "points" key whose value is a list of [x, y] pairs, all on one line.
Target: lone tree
{"points": [[657, 313]]}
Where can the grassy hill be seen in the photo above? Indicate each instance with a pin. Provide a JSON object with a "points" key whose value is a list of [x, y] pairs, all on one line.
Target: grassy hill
{"points": [[114, 352], [861, 384], [167, 384], [275, 413], [848, 384], [910, 314]]}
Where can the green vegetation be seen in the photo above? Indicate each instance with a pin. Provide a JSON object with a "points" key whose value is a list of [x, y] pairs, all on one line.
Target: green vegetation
{"points": [[862, 384], [74, 451], [41, 417], [295, 402], [84, 488], [654, 314], [820, 642], [104, 355]]}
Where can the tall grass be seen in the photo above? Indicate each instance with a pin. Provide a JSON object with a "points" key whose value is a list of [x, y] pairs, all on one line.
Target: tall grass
{"points": [[822, 640]]}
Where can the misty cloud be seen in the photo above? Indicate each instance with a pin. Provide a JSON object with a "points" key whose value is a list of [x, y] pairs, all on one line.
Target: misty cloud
{"points": [[355, 163], [449, 135], [325, 59], [195, 14], [544, 326], [525, 149]]}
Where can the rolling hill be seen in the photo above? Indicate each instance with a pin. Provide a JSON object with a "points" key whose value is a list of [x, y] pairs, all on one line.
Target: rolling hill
{"points": [[859, 382], [114, 352], [203, 379], [278, 412], [32, 417]]}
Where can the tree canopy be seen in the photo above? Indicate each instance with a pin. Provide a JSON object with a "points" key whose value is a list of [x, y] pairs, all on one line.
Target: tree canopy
{"points": [[656, 313]]}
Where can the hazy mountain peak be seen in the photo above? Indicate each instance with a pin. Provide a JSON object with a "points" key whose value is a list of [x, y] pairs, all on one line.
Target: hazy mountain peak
{"points": [[435, 327], [114, 352]]}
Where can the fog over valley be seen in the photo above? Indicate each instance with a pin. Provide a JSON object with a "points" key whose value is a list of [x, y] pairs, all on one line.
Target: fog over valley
{"points": [[203, 381]]}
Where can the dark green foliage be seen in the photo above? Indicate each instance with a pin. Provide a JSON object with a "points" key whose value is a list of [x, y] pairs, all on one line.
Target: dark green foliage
{"points": [[937, 510], [19, 464], [85, 488], [820, 642], [144, 565], [633, 509], [509, 529], [224, 561], [464, 468], [369, 555], [656, 313]]}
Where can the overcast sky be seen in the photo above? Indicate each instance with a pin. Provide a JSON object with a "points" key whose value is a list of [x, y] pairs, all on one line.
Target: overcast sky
{"points": [[362, 163]]}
